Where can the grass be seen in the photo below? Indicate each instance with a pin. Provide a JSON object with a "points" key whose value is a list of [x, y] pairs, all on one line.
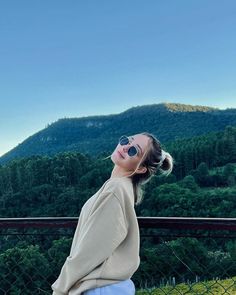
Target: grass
{"points": [[214, 287]]}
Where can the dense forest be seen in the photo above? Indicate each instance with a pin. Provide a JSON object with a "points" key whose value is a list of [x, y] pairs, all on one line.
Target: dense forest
{"points": [[59, 185], [203, 183]]}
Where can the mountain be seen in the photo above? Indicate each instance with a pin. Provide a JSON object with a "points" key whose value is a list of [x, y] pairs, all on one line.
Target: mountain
{"points": [[97, 134]]}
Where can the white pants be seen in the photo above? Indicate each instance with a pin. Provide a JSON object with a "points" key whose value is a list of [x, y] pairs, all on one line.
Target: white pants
{"points": [[126, 287]]}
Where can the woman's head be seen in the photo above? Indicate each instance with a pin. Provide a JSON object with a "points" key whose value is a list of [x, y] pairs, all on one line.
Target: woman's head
{"points": [[139, 157], [129, 153]]}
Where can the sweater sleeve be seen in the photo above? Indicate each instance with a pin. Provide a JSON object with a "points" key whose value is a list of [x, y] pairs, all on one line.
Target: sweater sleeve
{"points": [[102, 232]]}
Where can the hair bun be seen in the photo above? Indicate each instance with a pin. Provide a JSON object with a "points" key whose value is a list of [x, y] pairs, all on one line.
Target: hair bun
{"points": [[163, 156]]}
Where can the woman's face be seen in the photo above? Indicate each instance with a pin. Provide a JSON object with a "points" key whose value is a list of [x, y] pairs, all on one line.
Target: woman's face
{"points": [[121, 158]]}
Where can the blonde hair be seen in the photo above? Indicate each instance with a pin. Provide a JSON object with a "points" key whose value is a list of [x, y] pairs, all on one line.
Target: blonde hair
{"points": [[154, 159]]}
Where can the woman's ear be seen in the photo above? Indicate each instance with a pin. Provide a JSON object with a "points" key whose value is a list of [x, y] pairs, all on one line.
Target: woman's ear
{"points": [[142, 169]]}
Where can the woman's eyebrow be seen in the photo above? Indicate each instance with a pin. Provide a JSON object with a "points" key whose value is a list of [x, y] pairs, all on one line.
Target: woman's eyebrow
{"points": [[140, 148], [138, 145]]}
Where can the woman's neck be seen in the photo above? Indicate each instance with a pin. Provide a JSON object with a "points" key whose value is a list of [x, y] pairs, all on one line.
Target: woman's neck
{"points": [[117, 172]]}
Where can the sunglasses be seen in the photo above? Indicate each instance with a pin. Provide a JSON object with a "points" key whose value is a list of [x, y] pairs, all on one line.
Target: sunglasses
{"points": [[133, 150]]}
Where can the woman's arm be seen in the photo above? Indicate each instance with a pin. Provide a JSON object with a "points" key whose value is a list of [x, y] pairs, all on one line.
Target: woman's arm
{"points": [[104, 230]]}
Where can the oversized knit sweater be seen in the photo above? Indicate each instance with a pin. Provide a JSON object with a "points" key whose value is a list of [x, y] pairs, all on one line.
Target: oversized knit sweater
{"points": [[105, 246]]}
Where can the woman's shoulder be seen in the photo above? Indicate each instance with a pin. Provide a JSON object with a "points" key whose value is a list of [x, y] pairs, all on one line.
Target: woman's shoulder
{"points": [[116, 182], [119, 186]]}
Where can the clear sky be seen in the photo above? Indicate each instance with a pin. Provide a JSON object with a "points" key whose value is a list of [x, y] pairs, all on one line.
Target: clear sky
{"points": [[78, 58]]}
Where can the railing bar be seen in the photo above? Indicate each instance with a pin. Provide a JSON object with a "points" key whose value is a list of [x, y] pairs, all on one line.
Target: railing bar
{"points": [[141, 235], [21, 234], [192, 223], [172, 218]]}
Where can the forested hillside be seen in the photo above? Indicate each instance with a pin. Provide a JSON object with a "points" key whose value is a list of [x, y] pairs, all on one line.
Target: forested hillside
{"points": [[96, 134]]}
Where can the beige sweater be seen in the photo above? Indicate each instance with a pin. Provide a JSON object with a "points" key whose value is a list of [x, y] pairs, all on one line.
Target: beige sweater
{"points": [[105, 247]]}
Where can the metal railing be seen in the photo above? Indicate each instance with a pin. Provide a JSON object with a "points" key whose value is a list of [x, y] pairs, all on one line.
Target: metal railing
{"points": [[178, 255]]}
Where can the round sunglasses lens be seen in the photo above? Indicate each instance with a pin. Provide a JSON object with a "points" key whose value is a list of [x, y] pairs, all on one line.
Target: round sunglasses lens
{"points": [[124, 140], [132, 151]]}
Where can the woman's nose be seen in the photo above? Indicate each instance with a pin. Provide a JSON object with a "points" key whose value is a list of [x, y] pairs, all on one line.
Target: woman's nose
{"points": [[125, 148]]}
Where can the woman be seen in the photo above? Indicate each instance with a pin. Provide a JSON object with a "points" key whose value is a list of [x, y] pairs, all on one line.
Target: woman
{"points": [[105, 249]]}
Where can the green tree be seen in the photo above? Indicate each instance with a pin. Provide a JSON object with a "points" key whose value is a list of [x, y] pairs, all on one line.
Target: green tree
{"points": [[189, 182], [229, 174], [24, 270]]}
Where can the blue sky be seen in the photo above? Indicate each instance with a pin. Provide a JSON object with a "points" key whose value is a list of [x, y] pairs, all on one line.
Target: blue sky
{"points": [[79, 58]]}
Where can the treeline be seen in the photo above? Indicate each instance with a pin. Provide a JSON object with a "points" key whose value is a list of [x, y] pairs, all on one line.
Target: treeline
{"points": [[187, 199], [215, 149], [59, 185], [49, 186]]}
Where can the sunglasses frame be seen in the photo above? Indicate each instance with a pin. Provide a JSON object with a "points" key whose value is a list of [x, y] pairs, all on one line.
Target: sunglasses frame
{"points": [[127, 142]]}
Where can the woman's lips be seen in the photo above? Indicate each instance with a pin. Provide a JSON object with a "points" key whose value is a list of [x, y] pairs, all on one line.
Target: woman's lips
{"points": [[120, 154]]}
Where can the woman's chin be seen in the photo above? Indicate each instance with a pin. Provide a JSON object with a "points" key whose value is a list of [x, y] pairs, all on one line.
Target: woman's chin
{"points": [[117, 160]]}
